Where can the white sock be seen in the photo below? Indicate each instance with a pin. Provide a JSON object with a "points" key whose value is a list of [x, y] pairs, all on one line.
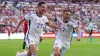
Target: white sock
{"points": [[22, 54]]}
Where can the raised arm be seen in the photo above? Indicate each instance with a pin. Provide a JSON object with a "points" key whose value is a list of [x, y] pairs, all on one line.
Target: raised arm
{"points": [[53, 25], [18, 25]]}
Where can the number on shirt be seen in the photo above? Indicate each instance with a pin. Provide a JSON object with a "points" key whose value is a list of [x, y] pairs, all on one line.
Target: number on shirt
{"points": [[39, 25]]}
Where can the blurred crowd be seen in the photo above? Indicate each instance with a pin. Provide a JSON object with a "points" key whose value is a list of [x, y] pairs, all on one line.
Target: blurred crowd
{"points": [[12, 12]]}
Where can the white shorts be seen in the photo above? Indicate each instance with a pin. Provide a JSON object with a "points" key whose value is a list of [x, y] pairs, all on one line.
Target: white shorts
{"points": [[63, 46], [32, 40]]}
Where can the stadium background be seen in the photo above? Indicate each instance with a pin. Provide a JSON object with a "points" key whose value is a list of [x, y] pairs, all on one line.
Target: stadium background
{"points": [[12, 11]]}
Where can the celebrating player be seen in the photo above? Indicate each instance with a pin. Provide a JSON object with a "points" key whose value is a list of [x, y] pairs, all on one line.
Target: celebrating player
{"points": [[36, 22], [64, 34]]}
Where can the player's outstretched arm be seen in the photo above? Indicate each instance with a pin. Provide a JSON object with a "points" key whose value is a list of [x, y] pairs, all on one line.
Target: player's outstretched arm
{"points": [[18, 25], [78, 31], [53, 25]]}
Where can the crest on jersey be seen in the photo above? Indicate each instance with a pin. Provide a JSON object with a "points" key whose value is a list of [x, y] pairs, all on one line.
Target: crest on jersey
{"points": [[68, 24]]}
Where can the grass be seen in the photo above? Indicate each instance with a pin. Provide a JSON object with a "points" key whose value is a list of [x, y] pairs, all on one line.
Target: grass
{"points": [[78, 48]]}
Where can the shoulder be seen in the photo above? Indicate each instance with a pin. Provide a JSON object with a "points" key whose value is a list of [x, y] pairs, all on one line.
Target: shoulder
{"points": [[72, 21], [30, 16], [44, 16]]}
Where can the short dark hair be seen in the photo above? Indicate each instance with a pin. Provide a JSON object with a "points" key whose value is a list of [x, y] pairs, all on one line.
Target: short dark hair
{"points": [[40, 3]]}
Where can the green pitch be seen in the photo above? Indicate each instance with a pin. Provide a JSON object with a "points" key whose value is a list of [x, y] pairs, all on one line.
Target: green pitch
{"points": [[78, 48]]}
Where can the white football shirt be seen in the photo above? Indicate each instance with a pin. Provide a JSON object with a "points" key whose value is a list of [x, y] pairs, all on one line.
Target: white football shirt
{"points": [[36, 24], [65, 33]]}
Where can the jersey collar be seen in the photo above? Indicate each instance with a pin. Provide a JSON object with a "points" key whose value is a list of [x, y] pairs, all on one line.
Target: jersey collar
{"points": [[38, 15]]}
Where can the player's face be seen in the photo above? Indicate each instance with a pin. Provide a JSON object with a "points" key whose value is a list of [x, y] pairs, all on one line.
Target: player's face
{"points": [[42, 8], [66, 15]]}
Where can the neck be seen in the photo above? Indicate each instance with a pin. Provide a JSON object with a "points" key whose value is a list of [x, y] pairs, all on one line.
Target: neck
{"points": [[65, 20], [39, 14]]}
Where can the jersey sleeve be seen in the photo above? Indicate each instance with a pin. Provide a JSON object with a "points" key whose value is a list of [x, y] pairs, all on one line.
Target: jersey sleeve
{"points": [[74, 25], [46, 19], [28, 16]]}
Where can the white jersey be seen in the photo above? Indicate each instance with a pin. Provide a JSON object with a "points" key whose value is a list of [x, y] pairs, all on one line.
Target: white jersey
{"points": [[36, 25], [65, 33]]}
